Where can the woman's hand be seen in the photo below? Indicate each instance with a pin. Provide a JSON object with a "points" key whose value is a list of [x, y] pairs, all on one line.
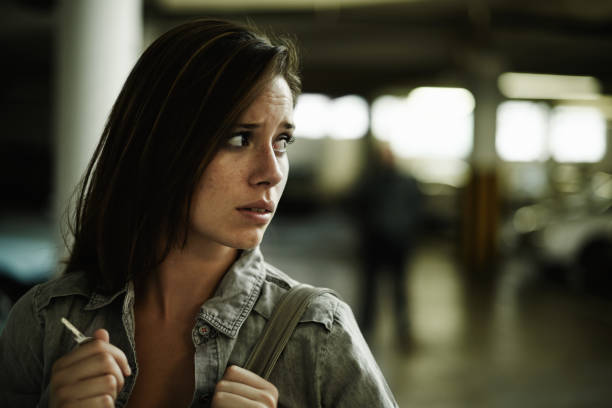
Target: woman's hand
{"points": [[242, 388], [89, 376]]}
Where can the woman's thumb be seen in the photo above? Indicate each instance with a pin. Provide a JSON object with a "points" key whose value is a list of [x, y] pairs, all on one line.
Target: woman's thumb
{"points": [[102, 334]]}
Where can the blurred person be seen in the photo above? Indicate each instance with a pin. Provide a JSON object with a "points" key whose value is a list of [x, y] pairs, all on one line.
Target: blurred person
{"points": [[388, 213], [165, 272]]}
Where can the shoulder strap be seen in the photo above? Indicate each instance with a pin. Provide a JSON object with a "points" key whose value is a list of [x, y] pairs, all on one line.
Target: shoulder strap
{"points": [[280, 327]]}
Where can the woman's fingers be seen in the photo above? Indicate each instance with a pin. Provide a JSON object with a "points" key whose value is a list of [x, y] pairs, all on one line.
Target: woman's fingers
{"points": [[246, 391], [227, 400], [240, 384], [95, 346], [244, 376], [105, 385], [91, 375], [102, 334], [95, 365], [102, 401]]}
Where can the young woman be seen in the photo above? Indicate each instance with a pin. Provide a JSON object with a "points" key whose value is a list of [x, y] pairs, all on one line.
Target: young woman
{"points": [[165, 271]]}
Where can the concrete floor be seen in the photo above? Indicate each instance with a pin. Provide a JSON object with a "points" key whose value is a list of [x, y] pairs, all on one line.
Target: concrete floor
{"points": [[519, 342]]}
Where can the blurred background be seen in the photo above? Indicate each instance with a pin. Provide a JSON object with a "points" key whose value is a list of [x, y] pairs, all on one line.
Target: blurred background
{"points": [[452, 176]]}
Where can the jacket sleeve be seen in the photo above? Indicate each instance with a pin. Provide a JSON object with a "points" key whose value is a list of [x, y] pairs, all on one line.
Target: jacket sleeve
{"points": [[347, 371], [21, 354]]}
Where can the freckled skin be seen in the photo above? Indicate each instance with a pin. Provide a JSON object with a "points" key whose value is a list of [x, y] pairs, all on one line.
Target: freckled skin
{"points": [[241, 175]]}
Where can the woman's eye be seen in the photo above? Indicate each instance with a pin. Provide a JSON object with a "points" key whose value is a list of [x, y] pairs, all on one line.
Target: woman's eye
{"points": [[238, 140], [280, 146]]}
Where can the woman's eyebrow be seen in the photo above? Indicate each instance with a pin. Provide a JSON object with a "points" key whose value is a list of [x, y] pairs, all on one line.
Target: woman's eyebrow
{"points": [[286, 125]]}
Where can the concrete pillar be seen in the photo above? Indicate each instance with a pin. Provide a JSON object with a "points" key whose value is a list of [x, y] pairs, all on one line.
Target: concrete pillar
{"points": [[98, 42], [487, 97], [481, 202]]}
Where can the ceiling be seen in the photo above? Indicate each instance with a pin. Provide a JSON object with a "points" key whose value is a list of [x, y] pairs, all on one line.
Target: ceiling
{"points": [[363, 46]]}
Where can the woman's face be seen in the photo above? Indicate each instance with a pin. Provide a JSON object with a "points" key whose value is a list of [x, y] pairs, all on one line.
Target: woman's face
{"points": [[238, 193]]}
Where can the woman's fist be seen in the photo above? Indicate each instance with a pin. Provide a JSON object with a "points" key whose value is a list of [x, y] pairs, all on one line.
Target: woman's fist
{"points": [[242, 388], [89, 376]]}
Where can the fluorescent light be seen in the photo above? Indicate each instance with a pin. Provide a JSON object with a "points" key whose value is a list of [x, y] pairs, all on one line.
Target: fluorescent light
{"points": [[521, 131], [577, 134], [457, 102], [311, 116], [430, 123], [544, 86], [387, 112], [603, 103], [349, 117], [317, 116]]}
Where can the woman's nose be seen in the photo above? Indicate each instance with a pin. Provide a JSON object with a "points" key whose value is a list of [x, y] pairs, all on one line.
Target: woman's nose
{"points": [[267, 168]]}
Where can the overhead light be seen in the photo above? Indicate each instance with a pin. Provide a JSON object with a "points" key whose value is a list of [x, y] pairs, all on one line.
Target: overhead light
{"points": [[387, 111], [543, 86], [317, 116], [577, 134], [349, 117], [311, 116], [432, 122], [521, 131], [603, 103]]}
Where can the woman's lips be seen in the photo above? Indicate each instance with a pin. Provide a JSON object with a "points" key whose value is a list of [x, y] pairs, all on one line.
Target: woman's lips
{"points": [[260, 211], [259, 205], [259, 215]]}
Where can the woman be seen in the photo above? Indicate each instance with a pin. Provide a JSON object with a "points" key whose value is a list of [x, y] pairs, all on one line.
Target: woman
{"points": [[165, 271]]}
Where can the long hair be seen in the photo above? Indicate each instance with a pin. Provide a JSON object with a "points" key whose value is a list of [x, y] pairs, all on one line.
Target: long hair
{"points": [[175, 110]]}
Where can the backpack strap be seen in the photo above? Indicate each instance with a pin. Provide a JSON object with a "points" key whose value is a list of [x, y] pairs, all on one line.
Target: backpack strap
{"points": [[280, 327]]}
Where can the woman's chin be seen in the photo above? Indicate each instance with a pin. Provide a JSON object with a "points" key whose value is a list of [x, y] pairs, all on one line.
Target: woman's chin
{"points": [[247, 241]]}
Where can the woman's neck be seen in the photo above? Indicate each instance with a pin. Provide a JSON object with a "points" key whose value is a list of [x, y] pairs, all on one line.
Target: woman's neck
{"points": [[183, 281]]}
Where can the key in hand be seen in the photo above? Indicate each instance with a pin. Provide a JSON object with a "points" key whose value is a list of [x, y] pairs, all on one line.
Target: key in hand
{"points": [[79, 337]]}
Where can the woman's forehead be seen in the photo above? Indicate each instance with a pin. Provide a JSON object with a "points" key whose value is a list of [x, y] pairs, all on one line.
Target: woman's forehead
{"points": [[274, 98]]}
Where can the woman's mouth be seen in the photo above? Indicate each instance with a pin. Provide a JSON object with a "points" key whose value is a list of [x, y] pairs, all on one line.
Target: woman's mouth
{"points": [[256, 214], [260, 211], [257, 210]]}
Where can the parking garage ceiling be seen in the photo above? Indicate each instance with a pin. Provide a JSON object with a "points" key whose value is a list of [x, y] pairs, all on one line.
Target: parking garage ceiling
{"points": [[363, 45]]}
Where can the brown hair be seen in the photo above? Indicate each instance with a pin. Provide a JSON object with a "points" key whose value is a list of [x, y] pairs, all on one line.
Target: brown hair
{"points": [[175, 110]]}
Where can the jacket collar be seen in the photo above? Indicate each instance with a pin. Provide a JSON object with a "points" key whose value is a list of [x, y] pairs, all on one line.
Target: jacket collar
{"points": [[232, 301], [99, 299], [236, 294]]}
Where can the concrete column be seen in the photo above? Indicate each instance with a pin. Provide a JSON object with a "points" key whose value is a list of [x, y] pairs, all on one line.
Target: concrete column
{"points": [[98, 42], [481, 201], [487, 96]]}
